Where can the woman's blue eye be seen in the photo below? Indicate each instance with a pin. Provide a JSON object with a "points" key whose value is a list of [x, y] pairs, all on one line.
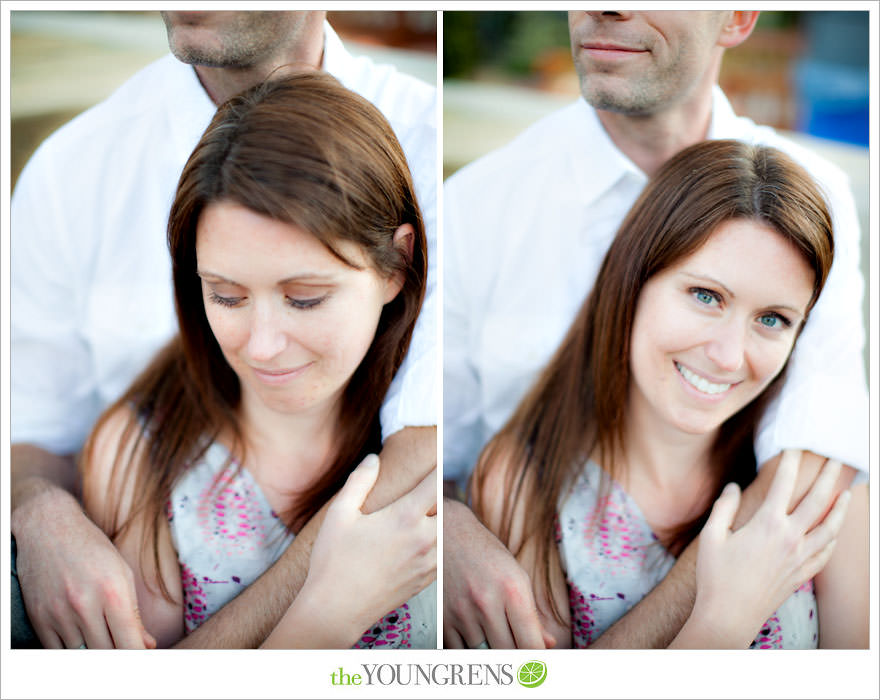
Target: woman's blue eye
{"points": [[774, 321], [704, 296]]}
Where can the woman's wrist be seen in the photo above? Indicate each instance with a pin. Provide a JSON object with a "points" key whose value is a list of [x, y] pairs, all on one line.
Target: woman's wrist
{"points": [[315, 620], [711, 626]]}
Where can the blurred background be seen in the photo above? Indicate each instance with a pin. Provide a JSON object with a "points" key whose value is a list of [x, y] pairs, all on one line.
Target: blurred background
{"points": [[804, 73], [62, 63]]}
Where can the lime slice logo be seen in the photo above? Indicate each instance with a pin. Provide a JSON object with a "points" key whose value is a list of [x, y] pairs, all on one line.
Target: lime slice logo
{"points": [[531, 674]]}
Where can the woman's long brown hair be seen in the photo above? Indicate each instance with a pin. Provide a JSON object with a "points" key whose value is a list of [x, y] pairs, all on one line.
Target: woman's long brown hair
{"points": [[305, 151], [577, 407]]}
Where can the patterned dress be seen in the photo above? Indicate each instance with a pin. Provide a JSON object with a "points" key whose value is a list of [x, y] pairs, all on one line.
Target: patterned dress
{"points": [[612, 562], [226, 535]]}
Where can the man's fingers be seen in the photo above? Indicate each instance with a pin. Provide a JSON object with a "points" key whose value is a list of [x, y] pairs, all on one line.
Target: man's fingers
{"points": [[451, 638], [526, 627], [359, 483], [818, 499], [498, 634], [779, 495], [127, 629], [96, 636], [723, 512], [149, 641], [49, 639]]}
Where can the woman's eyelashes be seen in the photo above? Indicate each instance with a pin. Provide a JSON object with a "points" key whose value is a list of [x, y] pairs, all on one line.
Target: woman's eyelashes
{"points": [[771, 320], [774, 320], [225, 301], [294, 302], [706, 297], [299, 303]]}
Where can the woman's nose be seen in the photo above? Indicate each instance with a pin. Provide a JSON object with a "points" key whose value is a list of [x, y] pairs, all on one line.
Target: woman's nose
{"points": [[267, 338], [726, 347]]}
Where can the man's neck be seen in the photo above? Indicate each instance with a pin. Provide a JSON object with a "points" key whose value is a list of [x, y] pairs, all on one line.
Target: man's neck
{"points": [[650, 140], [223, 83]]}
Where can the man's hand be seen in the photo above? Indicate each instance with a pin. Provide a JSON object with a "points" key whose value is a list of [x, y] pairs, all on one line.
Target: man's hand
{"points": [[76, 587], [487, 595]]}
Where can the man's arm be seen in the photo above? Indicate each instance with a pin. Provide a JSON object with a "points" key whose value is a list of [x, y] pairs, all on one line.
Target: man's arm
{"points": [[487, 595], [70, 598], [659, 616], [245, 622]]}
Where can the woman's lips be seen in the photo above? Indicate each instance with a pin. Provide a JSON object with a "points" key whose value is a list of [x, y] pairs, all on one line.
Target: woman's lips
{"points": [[280, 376]]}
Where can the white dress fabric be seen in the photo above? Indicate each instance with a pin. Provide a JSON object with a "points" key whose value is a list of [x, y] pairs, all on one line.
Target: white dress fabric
{"points": [[226, 535], [91, 290], [612, 559], [525, 230]]}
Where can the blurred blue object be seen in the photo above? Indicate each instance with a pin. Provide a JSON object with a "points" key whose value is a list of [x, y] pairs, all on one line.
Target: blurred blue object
{"points": [[834, 100], [832, 76]]}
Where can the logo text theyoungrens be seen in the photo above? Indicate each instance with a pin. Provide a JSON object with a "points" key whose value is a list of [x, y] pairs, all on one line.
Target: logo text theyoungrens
{"points": [[425, 674]]}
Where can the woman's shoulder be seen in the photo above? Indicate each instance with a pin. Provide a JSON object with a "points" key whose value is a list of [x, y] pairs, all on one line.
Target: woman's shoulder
{"points": [[110, 460]]}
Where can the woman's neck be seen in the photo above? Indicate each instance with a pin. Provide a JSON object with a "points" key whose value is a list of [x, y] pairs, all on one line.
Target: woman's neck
{"points": [[666, 471], [286, 452]]}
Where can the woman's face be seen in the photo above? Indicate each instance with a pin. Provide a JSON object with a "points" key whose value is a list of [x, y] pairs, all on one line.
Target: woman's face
{"points": [[293, 321], [712, 331]]}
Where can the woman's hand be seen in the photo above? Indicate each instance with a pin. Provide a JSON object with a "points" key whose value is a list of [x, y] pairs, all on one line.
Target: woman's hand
{"points": [[744, 576], [362, 566]]}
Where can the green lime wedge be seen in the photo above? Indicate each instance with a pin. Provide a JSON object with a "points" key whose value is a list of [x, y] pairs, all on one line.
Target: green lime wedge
{"points": [[532, 673]]}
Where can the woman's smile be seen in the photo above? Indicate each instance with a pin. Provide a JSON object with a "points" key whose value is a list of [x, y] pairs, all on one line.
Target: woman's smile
{"points": [[712, 331], [280, 376], [292, 320], [705, 388]]}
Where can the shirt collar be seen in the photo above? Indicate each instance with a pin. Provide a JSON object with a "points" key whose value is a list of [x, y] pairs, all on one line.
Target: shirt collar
{"points": [[336, 60], [597, 162], [724, 123]]}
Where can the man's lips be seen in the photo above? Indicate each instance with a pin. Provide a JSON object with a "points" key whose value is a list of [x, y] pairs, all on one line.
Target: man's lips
{"points": [[609, 50]]}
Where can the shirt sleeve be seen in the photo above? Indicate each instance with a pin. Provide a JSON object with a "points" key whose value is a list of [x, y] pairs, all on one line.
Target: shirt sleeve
{"points": [[462, 437], [823, 406], [54, 399], [414, 396]]}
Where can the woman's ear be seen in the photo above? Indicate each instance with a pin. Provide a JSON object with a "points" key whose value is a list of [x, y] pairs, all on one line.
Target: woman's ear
{"points": [[404, 240]]}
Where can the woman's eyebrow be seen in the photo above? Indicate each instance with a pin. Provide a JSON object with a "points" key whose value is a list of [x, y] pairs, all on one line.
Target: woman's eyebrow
{"points": [[303, 277], [213, 276], [307, 277], [712, 280]]}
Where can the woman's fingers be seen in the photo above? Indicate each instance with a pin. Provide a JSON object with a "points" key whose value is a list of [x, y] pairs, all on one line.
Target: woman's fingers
{"points": [[828, 530], [815, 564], [359, 484], [782, 487], [422, 499], [723, 512], [818, 498]]}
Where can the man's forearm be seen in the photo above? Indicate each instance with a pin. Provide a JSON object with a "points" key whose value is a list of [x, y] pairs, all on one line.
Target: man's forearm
{"points": [[406, 458], [246, 621], [658, 617], [36, 473]]}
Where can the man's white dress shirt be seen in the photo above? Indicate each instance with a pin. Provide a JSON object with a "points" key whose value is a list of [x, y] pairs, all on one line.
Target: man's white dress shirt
{"points": [[525, 230], [91, 294]]}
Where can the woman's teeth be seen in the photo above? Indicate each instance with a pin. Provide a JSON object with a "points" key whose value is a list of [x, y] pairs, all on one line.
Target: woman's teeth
{"points": [[698, 382]]}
